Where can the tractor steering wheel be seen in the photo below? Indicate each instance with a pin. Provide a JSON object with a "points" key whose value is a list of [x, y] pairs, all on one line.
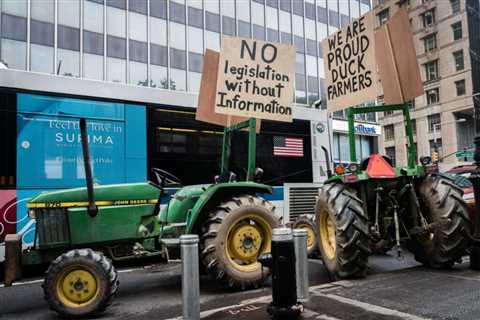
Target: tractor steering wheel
{"points": [[166, 179]]}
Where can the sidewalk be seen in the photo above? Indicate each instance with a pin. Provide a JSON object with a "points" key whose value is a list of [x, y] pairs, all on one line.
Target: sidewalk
{"points": [[413, 294]]}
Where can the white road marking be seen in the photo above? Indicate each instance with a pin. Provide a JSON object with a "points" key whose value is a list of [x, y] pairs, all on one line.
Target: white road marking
{"points": [[325, 317], [372, 308], [23, 283]]}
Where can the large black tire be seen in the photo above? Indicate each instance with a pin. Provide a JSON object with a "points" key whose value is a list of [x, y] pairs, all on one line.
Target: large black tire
{"points": [[442, 202], [83, 265], [308, 223], [250, 220], [343, 231]]}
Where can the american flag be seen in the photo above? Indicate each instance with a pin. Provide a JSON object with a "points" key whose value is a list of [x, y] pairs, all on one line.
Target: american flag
{"points": [[287, 147]]}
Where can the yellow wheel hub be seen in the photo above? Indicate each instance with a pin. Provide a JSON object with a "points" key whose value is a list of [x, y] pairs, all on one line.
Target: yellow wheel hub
{"points": [[327, 235], [246, 240], [77, 288], [310, 234]]}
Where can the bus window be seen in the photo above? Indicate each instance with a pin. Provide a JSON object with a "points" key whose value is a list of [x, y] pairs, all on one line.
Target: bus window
{"points": [[8, 132]]}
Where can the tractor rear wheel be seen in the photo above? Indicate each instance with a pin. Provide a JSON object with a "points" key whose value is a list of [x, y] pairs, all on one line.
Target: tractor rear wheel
{"points": [[234, 235], [80, 283], [307, 223], [443, 204], [343, 231]]}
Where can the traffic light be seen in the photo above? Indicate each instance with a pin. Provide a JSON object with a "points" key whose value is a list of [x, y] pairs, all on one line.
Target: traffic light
{"points": [[434, 157]]}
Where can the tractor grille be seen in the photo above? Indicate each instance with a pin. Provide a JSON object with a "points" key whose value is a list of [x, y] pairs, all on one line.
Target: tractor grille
{"points": [[52, 227], [302, 201]]}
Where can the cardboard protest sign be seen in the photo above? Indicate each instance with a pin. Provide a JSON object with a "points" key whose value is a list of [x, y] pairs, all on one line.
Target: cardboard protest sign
{"points": [[397, 61], [349, 59], [255, 79], [206, 97]]}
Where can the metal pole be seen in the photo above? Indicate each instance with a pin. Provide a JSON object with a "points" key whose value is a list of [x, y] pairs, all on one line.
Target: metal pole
{"points": [[301, 263], [190, 277]]}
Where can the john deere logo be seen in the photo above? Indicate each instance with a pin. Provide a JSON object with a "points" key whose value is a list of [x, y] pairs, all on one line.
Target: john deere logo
{"points": [[320, 127]]}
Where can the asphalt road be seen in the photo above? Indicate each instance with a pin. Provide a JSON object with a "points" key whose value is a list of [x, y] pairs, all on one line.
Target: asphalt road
{"points": [[154, 292]]}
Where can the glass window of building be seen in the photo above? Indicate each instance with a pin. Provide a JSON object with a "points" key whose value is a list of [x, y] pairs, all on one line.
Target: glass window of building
{"points": [[16, 8], [41, 58], [138, 26], [258, 32], [433, 96], [138, 73], [212, 21], [333, 19], [298, 7], [460, 86], [158, 9], [158, 55], [177, 12], [195, 17], [116, 70], [258, 14], [300, 81], [390, 152], [286, 5], [212, 40], [195, 79], [69, 13], [428, 17], [310, 35], [228, 8], [389, 132], [414, 126], [120, 4], [430, 42], [42, 10], [322, 13], [285, 27], [177, 35], [138, 62], [158, 31], [272, 3], [343, 7], [116, 22], [364, 7], [431, 70], [138, 6], [312, 78], [455, 6], [243, 11], [354, 9], [116, 47], [228, 26], [458, 59], [178, 80], [434, 122], [195, 40], [244, 29], [457, 30], [310, 10], [93, 16], [14, 54], [383, 16], [195, 61], [68, 51], [92, 66], [158, 77]]}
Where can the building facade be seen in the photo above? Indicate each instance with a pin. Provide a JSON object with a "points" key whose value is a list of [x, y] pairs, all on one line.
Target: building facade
{"points": [[443, 116]]}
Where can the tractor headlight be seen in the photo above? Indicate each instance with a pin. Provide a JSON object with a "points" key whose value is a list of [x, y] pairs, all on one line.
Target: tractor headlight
{"points": [[31, 213]]}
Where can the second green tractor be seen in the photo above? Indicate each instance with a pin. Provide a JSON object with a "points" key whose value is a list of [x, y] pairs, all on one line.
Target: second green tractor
{"points": [[373, 206]]}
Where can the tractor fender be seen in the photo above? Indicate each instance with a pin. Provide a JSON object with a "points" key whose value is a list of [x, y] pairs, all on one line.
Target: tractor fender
{"points": [[215, 194]]}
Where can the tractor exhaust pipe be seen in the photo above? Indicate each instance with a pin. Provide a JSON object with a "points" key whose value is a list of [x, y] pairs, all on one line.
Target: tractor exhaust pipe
{"points": [[92, 207], [327, 160]]}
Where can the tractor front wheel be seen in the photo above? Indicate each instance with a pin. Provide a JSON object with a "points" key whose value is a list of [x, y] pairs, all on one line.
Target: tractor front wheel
{"points": [[442, 205], [234, 235], [80, 283], [343, 231]]}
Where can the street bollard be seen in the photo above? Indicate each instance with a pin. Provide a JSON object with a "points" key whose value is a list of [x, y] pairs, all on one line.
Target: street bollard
{"points": [[301, 263], [190, 277], [281, 261], [475, 179]]}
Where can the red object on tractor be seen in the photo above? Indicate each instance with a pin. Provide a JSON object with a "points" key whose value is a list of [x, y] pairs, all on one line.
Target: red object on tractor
{"points": [[378, 167]]}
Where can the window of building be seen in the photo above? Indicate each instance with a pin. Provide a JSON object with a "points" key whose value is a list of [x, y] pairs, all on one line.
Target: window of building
{"points": [[428, 17], [431, 70], [457, 30], [458, 58], [414, 126], [430, 42], [460, 86], [434, 122], [432, 96], [390, 152], [383, 16], [455, 6], [389, 132]]}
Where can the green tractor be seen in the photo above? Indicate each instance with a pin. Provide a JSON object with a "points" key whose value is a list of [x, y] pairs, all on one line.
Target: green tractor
{"points": [[79, 232], [375, 207]]}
